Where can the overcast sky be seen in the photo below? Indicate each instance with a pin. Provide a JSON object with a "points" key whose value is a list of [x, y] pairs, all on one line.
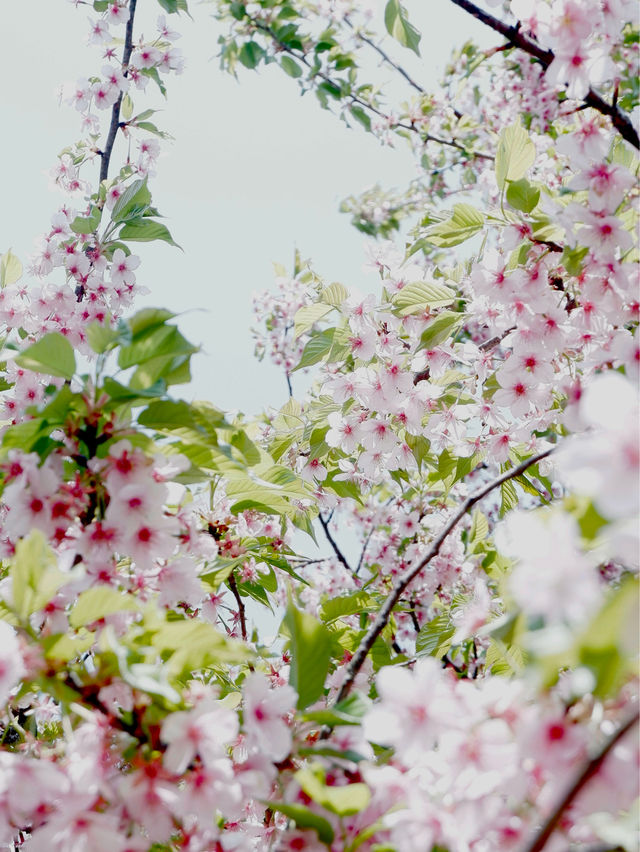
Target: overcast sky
{"points": [[255, 170]]}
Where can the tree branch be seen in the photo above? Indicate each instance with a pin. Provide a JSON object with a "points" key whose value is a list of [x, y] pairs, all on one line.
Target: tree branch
{"points": [[241, 611], [354, 99], [115, 111], [587, 772], [514, 36], [386, 58], [336, 549], [402, 582]]}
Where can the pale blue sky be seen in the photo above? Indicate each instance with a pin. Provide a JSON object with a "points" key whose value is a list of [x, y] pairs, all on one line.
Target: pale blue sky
{"points": [[254, 171]]}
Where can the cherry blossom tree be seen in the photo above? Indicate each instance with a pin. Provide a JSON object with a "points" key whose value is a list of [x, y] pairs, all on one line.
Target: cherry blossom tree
{"points": [[444, 524]]}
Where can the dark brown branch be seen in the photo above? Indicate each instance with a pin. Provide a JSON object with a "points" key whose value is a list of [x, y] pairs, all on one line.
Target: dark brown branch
{"points": [[115, 111], [587, 772], [334, 545], [381, 619], [241, 610], [515, 37]]}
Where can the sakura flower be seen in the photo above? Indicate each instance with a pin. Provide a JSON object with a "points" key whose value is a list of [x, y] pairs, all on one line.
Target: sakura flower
{"points": [[90, 831], [122, 268], [145, 57], [552, 578], [117, 13], [314, 470], [205, 731], [605, 464], [99, 31], [415, 706], [518, 391], [104, 94], [265, 709]]}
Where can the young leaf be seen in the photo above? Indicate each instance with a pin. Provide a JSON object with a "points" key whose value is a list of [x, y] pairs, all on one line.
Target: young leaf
{"points": [[10, 269], [52, 355], [307, 316], [305, 818], [310, 655], [515, 155], [398, 26], [416, 298], [464, 223], [522, 195], [136, 197], [146, 230], [291, 67]]}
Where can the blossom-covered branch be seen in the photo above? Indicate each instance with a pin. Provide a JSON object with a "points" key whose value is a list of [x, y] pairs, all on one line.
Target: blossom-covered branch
{"points": [[115, 110], [382, 617], [586, 773], [517, 38]]}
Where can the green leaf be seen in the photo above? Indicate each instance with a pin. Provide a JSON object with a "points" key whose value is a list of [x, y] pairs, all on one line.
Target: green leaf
{"points": [[515, 155], [522, 195], [434, 637], [509, 497], [463, 224], [398, 26], [133, 202], [339, 607], [342, 801], [193, 645], [164, 340], [440, 328], [10, 269], [126, 108], [310, 643], [361, 116], [97, 602], [417, 297], [87, 224], [66, 646], [335, 294], [316, 348], [307, 316], [35, 577], [101, 337], [146, 319], [250, 54], [305, 818], [52, 355], [146, 230], [479, 529], [291, 67]]}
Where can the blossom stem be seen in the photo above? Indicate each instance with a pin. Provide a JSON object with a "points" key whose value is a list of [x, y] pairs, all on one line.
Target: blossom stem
{"points": [[515, 37], [115, 111], [382, 618], [587, 772]]}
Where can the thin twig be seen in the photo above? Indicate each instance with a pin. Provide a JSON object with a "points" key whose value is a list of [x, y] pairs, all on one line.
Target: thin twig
{"points": [[115, 111], [354, 99], [241, 611], [336, 549], [405, 579], [386, 58], [517, 38], [587, 772], [289, 387]]}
